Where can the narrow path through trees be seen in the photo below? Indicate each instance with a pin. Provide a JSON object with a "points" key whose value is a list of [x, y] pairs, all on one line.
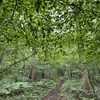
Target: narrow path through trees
{"points": [[54, 95]]}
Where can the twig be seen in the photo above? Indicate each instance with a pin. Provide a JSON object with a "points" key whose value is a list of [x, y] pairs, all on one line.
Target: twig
{"points": [[14, 11]]}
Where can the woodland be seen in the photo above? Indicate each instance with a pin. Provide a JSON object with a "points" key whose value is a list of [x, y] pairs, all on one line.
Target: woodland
{"points": [[49, 49]]}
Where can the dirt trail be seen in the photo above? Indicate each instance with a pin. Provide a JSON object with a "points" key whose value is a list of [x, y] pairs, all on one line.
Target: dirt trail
{"points": [[54, 95]]}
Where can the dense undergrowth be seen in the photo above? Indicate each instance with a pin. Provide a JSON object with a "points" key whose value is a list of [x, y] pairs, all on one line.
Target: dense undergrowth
{"points": [[26, 90], [71, 89]]}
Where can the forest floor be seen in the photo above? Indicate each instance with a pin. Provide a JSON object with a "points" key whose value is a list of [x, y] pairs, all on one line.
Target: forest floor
{"points": [[55, 93]]}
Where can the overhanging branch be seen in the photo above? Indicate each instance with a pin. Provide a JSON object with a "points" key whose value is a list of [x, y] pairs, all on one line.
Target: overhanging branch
{"points": [[17, 62]]}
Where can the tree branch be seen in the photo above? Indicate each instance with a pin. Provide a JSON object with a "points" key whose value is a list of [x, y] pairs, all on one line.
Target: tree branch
{"points": [[17, 62]]}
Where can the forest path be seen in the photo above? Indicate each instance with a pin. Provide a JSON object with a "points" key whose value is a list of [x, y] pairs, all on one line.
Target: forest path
{"points": [[54, 94]]}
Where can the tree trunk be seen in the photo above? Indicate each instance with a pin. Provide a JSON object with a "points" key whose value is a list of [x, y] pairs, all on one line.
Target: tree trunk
{"points": [[85, 74], [1, 58], [45, 61], [86, 81], [33, 73], [33, 70]]}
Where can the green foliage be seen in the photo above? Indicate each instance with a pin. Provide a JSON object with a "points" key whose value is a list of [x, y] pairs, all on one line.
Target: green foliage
{"points": [[49, 31], [46, 83], [97, 90], [74, 85], [4, 91], [37, 90], [7, 88], [63, 35]]}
